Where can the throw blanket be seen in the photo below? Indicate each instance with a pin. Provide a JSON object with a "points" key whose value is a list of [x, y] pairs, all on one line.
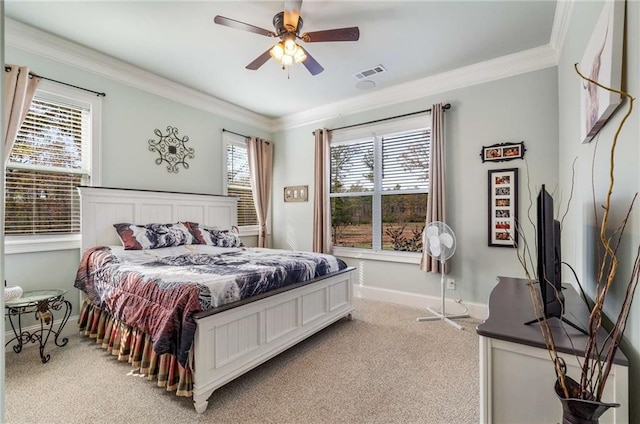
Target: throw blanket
{"points": [[158, 291]]}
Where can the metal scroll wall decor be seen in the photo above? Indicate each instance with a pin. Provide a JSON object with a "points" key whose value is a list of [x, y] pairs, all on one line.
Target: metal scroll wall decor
{"points": [[172, 149]]}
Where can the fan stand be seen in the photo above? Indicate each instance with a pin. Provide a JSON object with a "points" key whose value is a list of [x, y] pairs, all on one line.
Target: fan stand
{"points": [[442, 315]]}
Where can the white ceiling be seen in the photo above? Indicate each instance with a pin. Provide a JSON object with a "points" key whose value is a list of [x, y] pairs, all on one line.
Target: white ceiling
{"points": [[178, 40]]}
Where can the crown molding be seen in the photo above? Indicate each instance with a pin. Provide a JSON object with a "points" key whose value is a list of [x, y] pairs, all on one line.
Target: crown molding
{"points": [[491, 70], [61, 50], [52, 47], [561, 20]]}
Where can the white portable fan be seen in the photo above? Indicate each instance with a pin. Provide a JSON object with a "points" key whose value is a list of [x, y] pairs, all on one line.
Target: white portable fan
{"points": [[439, 241]]}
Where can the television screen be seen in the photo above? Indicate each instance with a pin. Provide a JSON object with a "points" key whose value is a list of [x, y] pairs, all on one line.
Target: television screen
{"points": [[549, 256], [549, 261]]}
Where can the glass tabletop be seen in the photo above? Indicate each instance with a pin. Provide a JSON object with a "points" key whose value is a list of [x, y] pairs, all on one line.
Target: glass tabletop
{"points": [[34, 296]]}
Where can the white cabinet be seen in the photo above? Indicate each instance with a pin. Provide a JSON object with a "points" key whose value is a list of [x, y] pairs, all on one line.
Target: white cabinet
{"points": [[516, 374]]}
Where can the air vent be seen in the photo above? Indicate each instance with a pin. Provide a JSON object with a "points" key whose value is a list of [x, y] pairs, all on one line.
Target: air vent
{"points": [[367, 73]]}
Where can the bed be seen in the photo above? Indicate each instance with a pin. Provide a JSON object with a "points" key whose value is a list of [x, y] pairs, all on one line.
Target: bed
{"points": [[218, 337]]}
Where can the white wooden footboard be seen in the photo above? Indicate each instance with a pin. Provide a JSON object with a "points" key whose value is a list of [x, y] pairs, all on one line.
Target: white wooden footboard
{"points": [[237, 340]]}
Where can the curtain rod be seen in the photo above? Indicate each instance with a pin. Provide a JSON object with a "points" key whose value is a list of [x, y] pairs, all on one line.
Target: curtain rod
{"points": [[233, 132], [445, 107], [241, 135], [31, 74]]}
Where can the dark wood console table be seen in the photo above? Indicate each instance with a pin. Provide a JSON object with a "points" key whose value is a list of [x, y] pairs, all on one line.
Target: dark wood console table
{"points": [[516, 375]]}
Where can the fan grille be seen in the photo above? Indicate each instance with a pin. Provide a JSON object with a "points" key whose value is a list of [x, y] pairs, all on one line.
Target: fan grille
{"points": [[439, 240]]}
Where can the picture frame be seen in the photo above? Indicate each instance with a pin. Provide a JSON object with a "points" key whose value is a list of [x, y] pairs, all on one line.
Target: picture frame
{"points": [[602, 62], [502, 152], [503, 207], [296, 193]]}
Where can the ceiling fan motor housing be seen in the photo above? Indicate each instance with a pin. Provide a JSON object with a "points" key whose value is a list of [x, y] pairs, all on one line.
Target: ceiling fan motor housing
{"points": [[281, 29]]}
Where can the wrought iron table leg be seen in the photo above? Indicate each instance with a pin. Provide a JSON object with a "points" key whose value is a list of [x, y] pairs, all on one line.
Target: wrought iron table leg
{"points": [[67, 313], [18, 334], [45, 315], [42, 339]]}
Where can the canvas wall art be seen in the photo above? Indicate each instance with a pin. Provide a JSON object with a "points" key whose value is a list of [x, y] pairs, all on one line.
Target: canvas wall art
{"points": [[602, 62]]}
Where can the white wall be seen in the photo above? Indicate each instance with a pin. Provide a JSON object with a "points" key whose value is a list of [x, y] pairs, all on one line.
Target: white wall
{"points": [[520, 108], [578, 233]]}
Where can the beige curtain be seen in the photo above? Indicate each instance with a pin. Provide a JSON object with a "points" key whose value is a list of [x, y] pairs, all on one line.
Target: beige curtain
{"points": [[261, 169], [436, 198], [321, 241], [19, 89]]}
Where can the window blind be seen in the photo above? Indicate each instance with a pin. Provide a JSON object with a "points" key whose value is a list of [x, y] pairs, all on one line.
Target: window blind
{"points": [[405, 161], [239, 183], [352, 167], [50, 158]]}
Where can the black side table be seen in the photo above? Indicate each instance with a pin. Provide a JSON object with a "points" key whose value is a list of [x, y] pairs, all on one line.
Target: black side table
{"points": [[42, 303]]}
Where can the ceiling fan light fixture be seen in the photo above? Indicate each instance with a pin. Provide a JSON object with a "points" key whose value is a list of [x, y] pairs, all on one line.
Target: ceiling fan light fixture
{"points": [[286, 60], [299, 55], [290, 46], [277, 52], [287, 52]]}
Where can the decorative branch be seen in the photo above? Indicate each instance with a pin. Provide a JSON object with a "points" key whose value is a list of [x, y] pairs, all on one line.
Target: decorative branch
{"points": [[598, 358], [591, 378]]}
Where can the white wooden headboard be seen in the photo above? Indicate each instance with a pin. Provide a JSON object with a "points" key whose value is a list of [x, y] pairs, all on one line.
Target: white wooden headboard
{"points": [[102, 207]]}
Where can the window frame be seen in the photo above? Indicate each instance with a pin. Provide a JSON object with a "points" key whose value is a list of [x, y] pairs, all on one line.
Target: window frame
{"points": [[363, 133], [56, 92], [237, 140]]}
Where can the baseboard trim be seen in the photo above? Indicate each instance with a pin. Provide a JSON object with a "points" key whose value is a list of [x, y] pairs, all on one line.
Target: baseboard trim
{"points": [[476, 310], [68, 330]]}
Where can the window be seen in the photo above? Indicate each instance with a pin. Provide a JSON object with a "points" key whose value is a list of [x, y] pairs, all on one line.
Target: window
{"points": [[237, 179], [379, 187], [52, 155]]}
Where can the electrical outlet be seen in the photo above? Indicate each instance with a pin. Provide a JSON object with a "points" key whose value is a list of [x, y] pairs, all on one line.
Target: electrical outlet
{"points": [[451, 284]]}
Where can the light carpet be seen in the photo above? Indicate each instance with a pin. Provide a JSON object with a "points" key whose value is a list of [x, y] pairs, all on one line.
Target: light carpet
{"points": [[380, 367]]}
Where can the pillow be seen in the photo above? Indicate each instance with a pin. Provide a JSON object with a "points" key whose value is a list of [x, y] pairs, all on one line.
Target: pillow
{"points": [[227, 238], [218, 237], [154, 236]]}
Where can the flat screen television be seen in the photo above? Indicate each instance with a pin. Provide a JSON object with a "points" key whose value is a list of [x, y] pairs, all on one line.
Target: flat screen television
{"points": [[549, 256], [549, 260]]}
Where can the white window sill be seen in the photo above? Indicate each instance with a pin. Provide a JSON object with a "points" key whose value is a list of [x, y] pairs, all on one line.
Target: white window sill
{"points": [[386, 256], [30, 244], [251, 230]]}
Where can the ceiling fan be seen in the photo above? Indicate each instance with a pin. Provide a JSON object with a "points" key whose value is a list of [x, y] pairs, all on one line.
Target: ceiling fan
{"points": [[288, 24]]}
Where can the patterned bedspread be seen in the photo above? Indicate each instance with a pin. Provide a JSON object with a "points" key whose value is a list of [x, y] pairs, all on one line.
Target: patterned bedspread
{"points": [[159, 290]]}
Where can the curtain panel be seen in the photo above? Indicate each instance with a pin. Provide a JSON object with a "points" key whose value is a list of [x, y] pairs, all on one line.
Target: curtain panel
{"points": [[321, 214], [437, 188], [19, 88], [260, 154]]}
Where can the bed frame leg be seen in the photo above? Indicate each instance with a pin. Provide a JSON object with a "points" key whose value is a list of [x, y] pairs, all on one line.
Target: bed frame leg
{"points": [[200, 405]]}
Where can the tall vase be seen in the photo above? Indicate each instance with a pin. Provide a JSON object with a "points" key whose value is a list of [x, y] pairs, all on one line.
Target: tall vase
{"points": [[579, 411]]}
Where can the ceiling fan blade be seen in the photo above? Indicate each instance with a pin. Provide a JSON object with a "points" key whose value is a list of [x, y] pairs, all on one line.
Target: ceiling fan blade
{"points": [[259, 61], [338, 34], [311, 64], [292, 14], [221, 20]]}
